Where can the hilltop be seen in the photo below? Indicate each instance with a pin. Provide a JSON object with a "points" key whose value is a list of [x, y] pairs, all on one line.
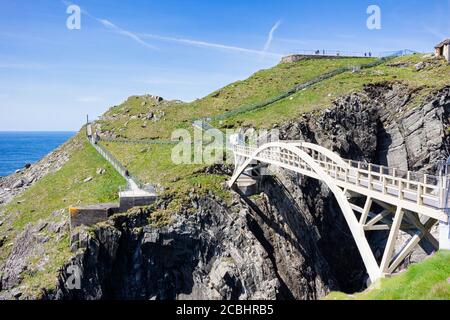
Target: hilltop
{"points": [[35, 243]]}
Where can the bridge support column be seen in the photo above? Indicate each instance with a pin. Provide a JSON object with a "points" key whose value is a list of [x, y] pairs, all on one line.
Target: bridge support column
{"points": [[444, 236]]}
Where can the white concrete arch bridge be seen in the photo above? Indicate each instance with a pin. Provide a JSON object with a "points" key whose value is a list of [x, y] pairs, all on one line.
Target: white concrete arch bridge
{"points": [[408, 199]]}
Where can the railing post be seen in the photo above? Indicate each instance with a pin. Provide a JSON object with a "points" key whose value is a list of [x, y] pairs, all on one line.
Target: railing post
{"points": [[425, 179], [442, 189], [370, 177], [419, 194], [408, 186], [400, 189]]}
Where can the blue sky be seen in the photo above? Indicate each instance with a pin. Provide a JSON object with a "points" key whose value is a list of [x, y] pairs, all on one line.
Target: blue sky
{"points": [[51, 77]]}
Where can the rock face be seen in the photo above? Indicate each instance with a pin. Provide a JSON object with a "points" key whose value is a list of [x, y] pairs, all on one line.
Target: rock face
{"points": [[219, 252], [377, 126], [290, 242], [30, 244]]}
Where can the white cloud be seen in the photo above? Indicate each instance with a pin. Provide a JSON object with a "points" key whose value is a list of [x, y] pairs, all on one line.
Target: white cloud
{"points": [[270, 37], [205, 44], [108, 24]]}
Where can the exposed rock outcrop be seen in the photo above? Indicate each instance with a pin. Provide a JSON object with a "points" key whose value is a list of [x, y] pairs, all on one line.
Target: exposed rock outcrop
{"points": [[290, 242], [29, 253], [219, 252]]}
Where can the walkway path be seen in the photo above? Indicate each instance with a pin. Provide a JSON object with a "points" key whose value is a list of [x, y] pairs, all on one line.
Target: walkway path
{"points": [[135, 188]]}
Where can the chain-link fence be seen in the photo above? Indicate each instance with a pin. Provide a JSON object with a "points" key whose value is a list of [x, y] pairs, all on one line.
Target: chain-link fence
{"points": [[139, 141], [119, 167], [284, 95]]}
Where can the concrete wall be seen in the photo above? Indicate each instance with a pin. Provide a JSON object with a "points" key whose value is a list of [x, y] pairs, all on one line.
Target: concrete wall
{"points": [[301, 57], [447, 52], [443, 52], [126, 203], [91, 215]]}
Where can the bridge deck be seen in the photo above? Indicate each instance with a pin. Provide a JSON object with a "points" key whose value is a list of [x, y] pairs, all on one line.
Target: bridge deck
{"points": [[417, 192]]}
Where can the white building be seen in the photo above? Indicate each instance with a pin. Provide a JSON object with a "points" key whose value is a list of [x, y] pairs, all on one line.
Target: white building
{"points": [[443, 50]]}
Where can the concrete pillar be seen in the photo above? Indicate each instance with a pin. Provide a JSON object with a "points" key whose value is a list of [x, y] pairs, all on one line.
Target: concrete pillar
{"points": [[447, 52], [444, 236]]}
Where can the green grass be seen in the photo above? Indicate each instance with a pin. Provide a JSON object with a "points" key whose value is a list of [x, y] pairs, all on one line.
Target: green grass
{"points": [[260, 86], [322, 94], [58, 253], [66, 187], [57, 191], [153, 163], [429, 280]]}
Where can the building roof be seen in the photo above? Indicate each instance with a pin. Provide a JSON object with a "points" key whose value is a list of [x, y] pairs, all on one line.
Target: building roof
{"points": [[443, 43]]}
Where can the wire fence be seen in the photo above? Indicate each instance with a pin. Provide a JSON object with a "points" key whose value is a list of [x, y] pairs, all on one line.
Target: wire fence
{"points": [[351, 54], [139, 141], [118, 166], [284, 95]]}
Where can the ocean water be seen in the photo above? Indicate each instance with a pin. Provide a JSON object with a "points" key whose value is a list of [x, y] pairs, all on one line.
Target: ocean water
{"points": [[19, 148]]}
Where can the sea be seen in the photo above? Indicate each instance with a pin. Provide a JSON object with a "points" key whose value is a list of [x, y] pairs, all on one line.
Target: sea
{"points": [[20, 148]]}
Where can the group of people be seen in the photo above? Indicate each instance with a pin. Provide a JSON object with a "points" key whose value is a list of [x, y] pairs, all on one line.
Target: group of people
{"points": [[366, 54]]}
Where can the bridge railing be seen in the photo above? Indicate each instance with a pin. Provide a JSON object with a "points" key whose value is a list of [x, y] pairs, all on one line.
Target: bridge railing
{"points": [[419, 188], [403, 174], [350, 54]]}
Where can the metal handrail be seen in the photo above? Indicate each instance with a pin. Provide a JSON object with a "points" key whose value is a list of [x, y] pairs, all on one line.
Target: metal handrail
{"points": [[117, 165], [430, 187]]}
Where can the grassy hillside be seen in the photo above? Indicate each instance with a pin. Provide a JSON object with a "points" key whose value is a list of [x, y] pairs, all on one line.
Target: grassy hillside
{"points": [[429, 280], [321, 95], [128, 119], [48, 200], [153, 163]]}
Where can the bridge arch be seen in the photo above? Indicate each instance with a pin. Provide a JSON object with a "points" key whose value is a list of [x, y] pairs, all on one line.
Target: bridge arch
{"points": [[317, 172]]}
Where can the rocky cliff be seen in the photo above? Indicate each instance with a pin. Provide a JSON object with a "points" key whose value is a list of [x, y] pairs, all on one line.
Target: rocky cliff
{"points": [[286, 243]]}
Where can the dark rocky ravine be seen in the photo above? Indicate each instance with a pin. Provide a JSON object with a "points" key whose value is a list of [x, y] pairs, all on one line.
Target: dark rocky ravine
{"points": [[289, 242]]}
